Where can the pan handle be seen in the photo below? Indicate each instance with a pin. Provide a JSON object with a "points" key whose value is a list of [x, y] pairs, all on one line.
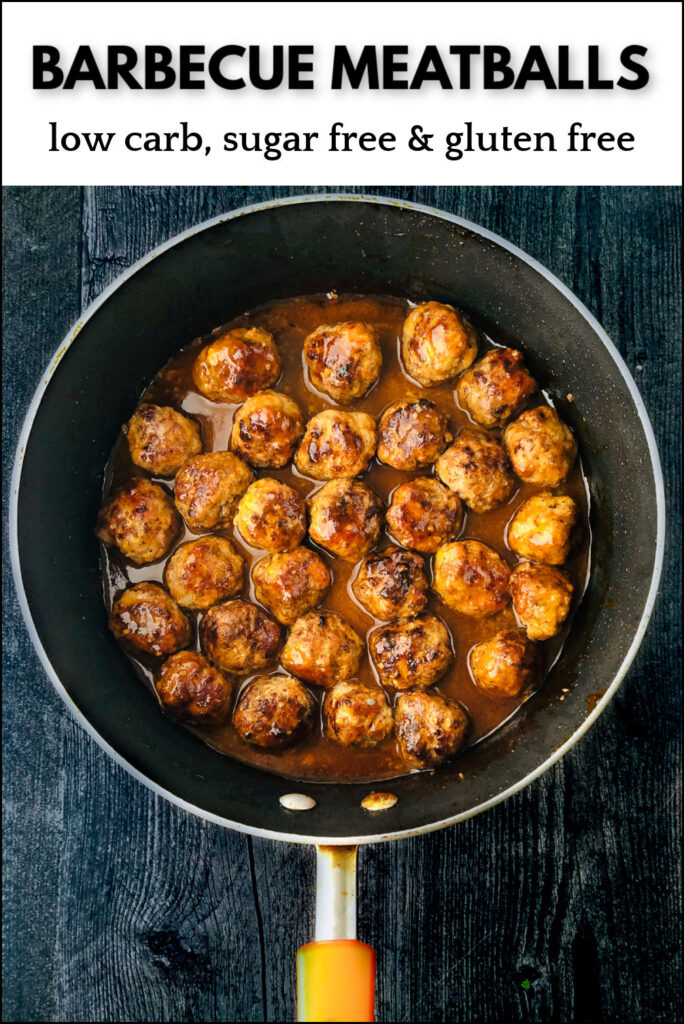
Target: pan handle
{"points": [[335, 972]]}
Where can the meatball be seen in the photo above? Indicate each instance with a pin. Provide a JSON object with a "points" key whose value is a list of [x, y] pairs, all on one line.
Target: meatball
{"points": [[477, 468], [508, 665], [356, 716], [207, 489], [239, 637], [471, 578], [412, 434], [290, 584], [204, 571], [411, 653], [266, 430], [193, 690], [344, 360], [496, 387], [345, 517], [147, 619], [392, 584], [429, 728], [541, 597], [322, 648], [160, 439], [541, 448], [271, 516], [423, 514], [544, 528], [437, 344], [274, 712], [336, 444], [140, 520], [236, 364]]}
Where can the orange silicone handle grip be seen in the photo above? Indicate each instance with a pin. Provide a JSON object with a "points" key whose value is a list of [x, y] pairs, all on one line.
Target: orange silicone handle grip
{"points": [[336, 981]]}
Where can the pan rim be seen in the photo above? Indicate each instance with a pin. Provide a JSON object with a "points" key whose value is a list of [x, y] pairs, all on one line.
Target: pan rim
{"points": [[301, 837]]}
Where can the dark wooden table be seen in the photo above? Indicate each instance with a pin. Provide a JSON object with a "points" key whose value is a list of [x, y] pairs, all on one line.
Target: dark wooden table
{"points": [[561, 904]]}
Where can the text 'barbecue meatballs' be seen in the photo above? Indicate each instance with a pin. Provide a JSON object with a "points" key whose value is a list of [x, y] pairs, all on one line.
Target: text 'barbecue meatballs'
{"points": [[271, 516], [496, 387], [345, 517], [544, 528], [160, 439], [392, 584], [322, 649], [430, 728], [202, 572], [239, 637], [541, 448], [471, 578], [476, 467], [207, 489], [236, 364], [336, 444], [423, 514], [411, 653], [193, 690], [542, 597], [412, 434], [146, 618], [291, 584], [267, 429], [274, 712], [508, 665], [344, 360], [356, 716], [437, 344], [140, 520]]}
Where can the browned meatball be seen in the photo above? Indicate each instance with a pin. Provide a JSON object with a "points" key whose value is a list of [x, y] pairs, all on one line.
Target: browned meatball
{"points": [[508, 665], [345, 517], [392, 584], [544, 528], [356, 716], [411, 653], [477, 468], [266, 430], [239, 637], [207, 489], [471, 578], [423, 514], [193, 690], [541, 448], [344, 360], [496, 387], [429, 728], [541, 597], [336, 444], [146, 618], [236, 364], [140, 520], [437, 344], [291, 584], [274, 712], [204, 571], [411, 434], [160, 439], [322, 648], [271, 516]]}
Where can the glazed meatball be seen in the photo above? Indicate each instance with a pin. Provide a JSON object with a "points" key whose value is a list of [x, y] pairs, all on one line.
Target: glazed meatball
{"points": [[160, 439], [542, 597], [423, 514], [412, 434], [204, 571], [239, 637], [477, 468], [236, 364], [336, 444], [496, 387], [207, 489], [471, 578], [291, 584], [437, 344], [271, 516], [541, 448], [429, 728], [274, 712], [392, 584], [344, 360], [411, 653], [140, 520], [322, 648], [508, 665], [345, 517], [147, 619], [266, 430], [356, 716], [544, 528], [193, 690]]}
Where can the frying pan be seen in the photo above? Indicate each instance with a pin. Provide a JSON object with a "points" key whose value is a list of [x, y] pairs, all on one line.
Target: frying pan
{"points": [[204, 277]]}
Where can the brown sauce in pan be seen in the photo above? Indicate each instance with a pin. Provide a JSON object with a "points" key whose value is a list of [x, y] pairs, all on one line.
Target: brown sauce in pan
{"points": [[316, 758]]}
